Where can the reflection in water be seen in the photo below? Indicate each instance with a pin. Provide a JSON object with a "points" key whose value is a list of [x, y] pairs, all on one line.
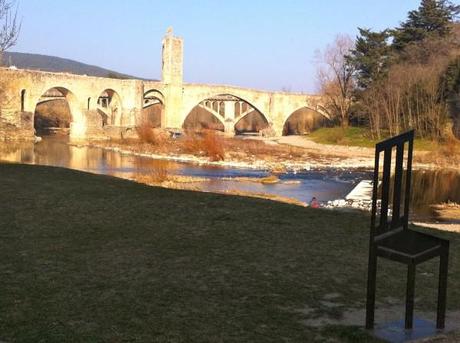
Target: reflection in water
{"points": [[153, 170], [434, 187], [429, 187]]}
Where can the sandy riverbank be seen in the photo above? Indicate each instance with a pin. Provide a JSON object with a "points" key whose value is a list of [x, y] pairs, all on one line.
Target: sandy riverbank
{"points": [[289, 153]]}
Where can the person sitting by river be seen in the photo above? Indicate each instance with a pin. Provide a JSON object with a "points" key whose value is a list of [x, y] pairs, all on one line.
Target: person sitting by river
{"points": [[314, 203]]}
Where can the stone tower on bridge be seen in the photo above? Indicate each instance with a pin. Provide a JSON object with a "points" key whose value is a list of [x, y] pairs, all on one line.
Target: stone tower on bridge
{"points": [[172, 69], [173, 59]]}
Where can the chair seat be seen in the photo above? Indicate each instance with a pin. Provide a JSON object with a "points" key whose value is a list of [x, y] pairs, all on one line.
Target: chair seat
{"points": [[409, 246]]}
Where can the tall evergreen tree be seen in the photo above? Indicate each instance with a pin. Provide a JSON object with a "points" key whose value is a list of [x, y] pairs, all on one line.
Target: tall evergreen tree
{"points": [[370, 57], [432, 18]]}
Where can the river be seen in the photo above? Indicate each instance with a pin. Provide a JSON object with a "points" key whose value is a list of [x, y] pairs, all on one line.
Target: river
{"points": [[429, 187]]}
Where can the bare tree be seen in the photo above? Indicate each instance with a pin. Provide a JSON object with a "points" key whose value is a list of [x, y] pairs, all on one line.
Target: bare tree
{"points": [[10, 26], [335, 77]]}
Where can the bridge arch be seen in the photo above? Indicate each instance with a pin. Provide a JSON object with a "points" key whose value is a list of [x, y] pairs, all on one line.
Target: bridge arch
{"points": [[153, 108], [153, 94], [110, 107], [205, 115], [304, 120], [250, 121], [58, 108], [224, 109]]}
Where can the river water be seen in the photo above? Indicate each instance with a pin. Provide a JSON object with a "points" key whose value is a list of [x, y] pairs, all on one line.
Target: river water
{"points": [[429, 187]]}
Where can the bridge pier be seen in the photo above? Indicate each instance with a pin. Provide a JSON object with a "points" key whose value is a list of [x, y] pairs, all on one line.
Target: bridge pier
{"points": [[16, 123], [229, 115], [173, 107], [229, 127], [77, 131]]}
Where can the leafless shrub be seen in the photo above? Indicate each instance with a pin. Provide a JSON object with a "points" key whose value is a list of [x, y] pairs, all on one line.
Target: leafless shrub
{"points": [[192, 143], [207, 142], [10, 26], [148, 134], [335, 77], [213, 145], [153, 171]]}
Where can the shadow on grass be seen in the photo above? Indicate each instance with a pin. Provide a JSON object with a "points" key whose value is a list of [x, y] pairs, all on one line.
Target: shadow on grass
{"points": [[94, 258]]}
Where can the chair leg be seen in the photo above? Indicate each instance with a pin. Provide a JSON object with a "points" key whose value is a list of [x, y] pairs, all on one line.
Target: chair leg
{"points": [[371, 288], [442, 288], [410, 291]]}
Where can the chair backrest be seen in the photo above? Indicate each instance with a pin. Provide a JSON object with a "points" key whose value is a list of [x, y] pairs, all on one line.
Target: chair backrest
{"points": [[391, 190]]}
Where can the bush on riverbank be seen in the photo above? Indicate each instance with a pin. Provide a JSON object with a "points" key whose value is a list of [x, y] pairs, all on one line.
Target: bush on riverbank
{"points": [[148, 134], [206, 142], [153, 171]]}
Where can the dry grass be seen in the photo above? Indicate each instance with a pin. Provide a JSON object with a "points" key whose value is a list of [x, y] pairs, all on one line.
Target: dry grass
{"points": [[444, 153], [450, 147], [192, 143], [206, 143], [148, 134], [152, 171], [145, 133], [213, 145], [160, 172]]}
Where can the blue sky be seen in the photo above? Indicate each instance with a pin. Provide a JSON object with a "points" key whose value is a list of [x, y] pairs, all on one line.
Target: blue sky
{"points": [[262, 44]]}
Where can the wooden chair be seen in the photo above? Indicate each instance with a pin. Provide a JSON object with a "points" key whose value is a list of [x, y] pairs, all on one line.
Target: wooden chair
{"points": [[390, 236]]}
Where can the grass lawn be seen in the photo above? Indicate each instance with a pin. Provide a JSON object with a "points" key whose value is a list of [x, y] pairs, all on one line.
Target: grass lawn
{"points": [[358, 136], [86, 258]]}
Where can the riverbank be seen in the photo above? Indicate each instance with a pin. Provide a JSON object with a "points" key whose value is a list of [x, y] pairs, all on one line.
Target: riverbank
{"points": [[114, 260], [263, 154], [287, 153]]}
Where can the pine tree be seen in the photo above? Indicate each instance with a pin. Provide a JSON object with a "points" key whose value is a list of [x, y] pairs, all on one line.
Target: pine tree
{"points": [[451, 78], [371, 56], [432, 18]]}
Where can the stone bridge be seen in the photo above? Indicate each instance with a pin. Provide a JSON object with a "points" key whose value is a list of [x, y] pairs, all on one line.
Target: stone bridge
{"points": [[107, 107]]}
